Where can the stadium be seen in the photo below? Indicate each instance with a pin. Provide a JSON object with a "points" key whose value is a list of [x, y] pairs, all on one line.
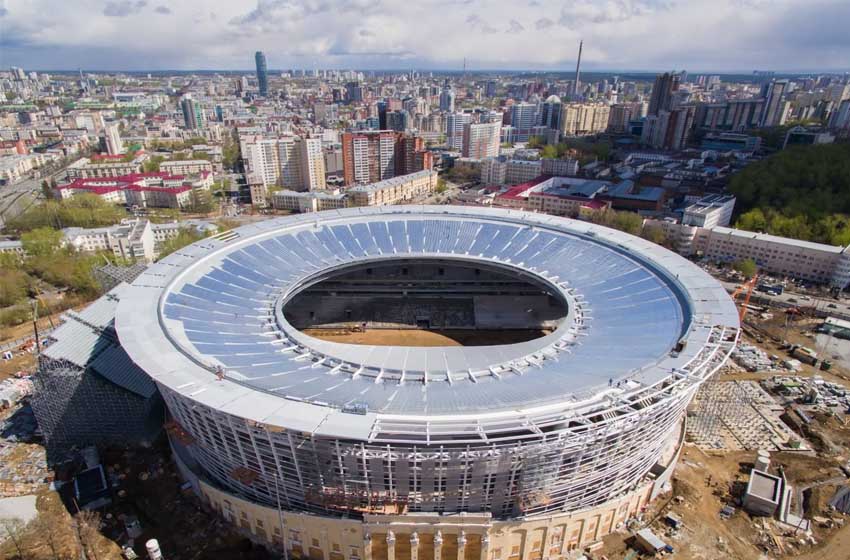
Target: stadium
{"points": [[546, 410]]}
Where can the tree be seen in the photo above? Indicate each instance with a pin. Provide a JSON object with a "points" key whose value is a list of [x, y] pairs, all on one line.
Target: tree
{"points": [[87, 525], [152, 164], [14, 286], [42, 242], [549, 152], [536, 142], [746, 267], [14, 529]]}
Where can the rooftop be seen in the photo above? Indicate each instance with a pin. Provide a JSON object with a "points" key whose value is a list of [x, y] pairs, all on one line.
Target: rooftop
{"points": [[215, 306]]}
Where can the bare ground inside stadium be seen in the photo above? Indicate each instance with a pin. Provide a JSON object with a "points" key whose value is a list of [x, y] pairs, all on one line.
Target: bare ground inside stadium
{"points": [[414, 337]]}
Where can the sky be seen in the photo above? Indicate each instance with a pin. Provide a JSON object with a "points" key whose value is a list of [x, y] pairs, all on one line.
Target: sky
{"points": [[624, 35]]}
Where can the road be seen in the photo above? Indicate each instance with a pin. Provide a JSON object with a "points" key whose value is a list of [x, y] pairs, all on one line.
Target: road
{"points": [[827, 305], [16, 198]]}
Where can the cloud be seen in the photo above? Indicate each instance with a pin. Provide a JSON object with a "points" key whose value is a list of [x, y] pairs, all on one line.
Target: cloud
{"points": [[165, 10], [515, 27], [477, 22], [618, 35], [123, 8], [543, 23]]}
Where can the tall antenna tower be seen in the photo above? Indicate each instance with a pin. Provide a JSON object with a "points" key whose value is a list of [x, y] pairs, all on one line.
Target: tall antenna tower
{"points": [[577, 84]]}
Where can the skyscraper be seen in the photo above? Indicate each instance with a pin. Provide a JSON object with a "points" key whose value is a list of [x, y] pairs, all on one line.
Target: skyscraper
{"points": [[550, 112], [447, 99], [455, 124], [774, 103], [193, 113], [662, 92], [262, 73]]}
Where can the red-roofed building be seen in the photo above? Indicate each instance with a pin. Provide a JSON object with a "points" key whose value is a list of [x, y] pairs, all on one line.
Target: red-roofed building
{"points": [[154, 190]]}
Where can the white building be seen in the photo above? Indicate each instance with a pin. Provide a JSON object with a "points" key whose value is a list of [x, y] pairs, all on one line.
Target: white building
{"points": [[455, 125], [314, 201], [482, 140], [503, 171], [779, 256], [114, 146], [710, 211], [186, 167], [131, 239], [292, 162]]}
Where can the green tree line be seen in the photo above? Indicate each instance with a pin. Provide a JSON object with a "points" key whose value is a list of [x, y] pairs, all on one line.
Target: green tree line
{"points": [[802, 192]]}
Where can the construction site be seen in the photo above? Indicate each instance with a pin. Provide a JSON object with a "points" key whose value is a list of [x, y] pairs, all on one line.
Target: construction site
{"points": [[469, 396]]}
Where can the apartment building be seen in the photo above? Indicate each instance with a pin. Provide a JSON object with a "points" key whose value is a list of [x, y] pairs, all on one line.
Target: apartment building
{"points": [[482, 140], [395, 190], [579, 119], [292, 162], [368, 156]]}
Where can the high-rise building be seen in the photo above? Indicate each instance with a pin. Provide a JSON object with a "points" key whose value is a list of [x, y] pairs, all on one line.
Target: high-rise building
{"points": [[412, 156], [368, 156], [490, 89], [291, 162], [447, 99], [481, 140], [662, 92], [382, 106], [193, 113], [455, 124], [523, 119], [579, 119], [354, 92], [669, 130], [550, 112], [397, 120], [774, 103], [262, 73], [112, 135]]}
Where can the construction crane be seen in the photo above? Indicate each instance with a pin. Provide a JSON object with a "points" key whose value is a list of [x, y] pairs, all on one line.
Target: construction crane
{"points": [[749, 286]]}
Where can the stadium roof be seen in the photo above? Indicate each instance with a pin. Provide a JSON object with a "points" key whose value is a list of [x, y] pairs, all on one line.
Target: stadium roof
{"points": [[206, 321]]}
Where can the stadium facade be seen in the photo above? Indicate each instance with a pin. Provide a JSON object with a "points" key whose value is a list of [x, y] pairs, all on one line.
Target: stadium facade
{"points": [[500, 452]]}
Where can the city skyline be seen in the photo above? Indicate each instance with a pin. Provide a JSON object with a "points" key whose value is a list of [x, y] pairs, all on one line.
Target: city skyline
{"points": [[727, 36]]}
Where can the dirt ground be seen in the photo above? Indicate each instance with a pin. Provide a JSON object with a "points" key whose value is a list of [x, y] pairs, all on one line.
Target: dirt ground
{"points": [[417, 337]]}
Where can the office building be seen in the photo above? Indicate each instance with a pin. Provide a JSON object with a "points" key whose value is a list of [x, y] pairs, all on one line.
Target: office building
{"points": [[550, 113], [447, 99], [710, 211], [262, 73], [193, 113], [523, 120]]}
